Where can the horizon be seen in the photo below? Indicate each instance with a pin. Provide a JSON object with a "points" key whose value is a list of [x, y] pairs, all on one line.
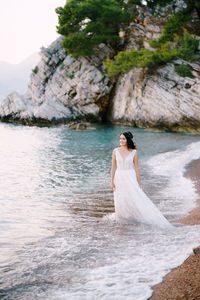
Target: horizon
{"points": [[35, 21]]}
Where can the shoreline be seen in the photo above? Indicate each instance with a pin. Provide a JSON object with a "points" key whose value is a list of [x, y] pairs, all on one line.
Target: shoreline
{"points": [[183, 282]]}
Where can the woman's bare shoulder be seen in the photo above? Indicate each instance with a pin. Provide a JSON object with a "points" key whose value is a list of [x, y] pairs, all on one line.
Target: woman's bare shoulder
{"points": [[114, 150]]}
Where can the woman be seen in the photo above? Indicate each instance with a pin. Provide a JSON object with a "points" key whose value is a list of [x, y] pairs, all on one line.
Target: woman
{"points": [[131, 203]]}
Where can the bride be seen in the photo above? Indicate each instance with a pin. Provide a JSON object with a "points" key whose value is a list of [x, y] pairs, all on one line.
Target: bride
{"points": [[131, 203]]}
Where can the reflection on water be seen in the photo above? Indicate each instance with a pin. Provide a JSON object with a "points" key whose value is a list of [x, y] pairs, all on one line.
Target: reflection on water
{"points": [[55, 239]]}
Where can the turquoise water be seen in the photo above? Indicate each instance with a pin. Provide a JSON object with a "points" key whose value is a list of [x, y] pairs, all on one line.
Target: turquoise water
{"points": [[55, 238]]}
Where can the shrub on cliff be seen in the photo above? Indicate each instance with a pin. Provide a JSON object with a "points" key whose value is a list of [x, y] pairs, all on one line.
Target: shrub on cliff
{"points": [[124, 61], [184, 71], [172, 27], [184, 45], [87, 23], [188, 46], [35, 70]]}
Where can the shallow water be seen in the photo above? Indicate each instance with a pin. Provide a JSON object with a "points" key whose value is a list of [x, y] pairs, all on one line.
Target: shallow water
{"points": [[56, 241]]}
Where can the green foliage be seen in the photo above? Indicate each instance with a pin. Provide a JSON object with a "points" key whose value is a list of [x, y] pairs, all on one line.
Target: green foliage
{"points": [[171, 28], [87, 23], [184, 46], [188, 46], [70, 76], [174, 25], [62, 66], [155, 43], [78, 44], [35, 70], [124, 61], [184, 71], [193, 5]]}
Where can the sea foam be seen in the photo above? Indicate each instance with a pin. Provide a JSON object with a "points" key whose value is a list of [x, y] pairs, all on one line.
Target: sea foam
{"points": [[179, 190]]}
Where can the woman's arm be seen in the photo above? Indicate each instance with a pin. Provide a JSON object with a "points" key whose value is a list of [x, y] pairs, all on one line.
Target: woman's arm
{"points": [[114, 166], [136, 165]]}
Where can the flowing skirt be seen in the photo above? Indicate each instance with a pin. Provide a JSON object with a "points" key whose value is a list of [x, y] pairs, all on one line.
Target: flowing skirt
{"points": [[131, 203]]}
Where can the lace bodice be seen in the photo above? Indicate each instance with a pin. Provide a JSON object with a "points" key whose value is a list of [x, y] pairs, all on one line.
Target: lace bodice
{"points": [[124, 163]]}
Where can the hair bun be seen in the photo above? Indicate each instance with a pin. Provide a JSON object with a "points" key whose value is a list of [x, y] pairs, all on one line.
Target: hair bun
{"points": [[130, 134]]}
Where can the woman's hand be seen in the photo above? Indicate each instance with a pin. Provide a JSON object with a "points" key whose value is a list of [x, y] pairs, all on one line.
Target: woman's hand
{"points": [[139, 182], [112, 186]]}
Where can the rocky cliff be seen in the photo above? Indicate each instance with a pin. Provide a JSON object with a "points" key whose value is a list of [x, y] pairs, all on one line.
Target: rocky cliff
{"points": [[62, 89], [157, 98], [162, 100]]}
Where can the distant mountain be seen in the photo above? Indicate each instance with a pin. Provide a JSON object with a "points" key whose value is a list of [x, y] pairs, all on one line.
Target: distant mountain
{"points": [[15, 77]]}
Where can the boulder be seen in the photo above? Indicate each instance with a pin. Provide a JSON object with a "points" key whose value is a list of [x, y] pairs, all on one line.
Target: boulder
{"points": [[81, 126]]}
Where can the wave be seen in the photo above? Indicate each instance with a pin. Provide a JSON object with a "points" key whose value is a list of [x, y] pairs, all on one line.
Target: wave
{"points": [[179, 192]]}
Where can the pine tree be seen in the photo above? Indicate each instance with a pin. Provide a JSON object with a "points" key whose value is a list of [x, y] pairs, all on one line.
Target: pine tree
{"points": [[87, 23]]}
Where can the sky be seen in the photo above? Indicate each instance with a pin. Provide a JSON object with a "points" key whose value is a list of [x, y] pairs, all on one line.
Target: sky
{"points": [[26, 26]]}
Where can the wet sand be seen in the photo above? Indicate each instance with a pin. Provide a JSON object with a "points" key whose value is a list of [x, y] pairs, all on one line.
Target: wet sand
{"points": [[183, 282]]}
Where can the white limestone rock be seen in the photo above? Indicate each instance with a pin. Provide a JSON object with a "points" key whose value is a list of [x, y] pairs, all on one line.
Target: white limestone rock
{"points": [[161, 100], [157, 98], [61, 89]]}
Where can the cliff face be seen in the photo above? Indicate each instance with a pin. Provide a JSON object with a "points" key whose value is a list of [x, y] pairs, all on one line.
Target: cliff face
{"points": [[63, 89], [163, 100], [157, 98]]}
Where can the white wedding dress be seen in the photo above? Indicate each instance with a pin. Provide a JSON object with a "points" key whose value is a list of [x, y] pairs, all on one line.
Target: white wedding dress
{"points": [[131, 203]]}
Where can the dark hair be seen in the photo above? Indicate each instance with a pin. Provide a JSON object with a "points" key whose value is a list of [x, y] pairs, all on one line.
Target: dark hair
{"points": [[130, 143]]}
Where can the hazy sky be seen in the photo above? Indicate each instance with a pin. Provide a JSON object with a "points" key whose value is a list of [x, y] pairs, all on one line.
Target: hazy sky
{"points": [[25, 26]]}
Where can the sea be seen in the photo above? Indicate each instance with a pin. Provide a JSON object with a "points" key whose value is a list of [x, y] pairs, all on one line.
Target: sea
{"points": [[57, 240]]}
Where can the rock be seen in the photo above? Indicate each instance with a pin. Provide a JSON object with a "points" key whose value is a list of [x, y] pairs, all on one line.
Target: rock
{"points": [[162, 100], [61, 89], [196, 250], [81, 126], [158, 99]]}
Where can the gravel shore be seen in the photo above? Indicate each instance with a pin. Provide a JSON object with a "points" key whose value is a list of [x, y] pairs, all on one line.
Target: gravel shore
{"points": [[183, 282]]}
